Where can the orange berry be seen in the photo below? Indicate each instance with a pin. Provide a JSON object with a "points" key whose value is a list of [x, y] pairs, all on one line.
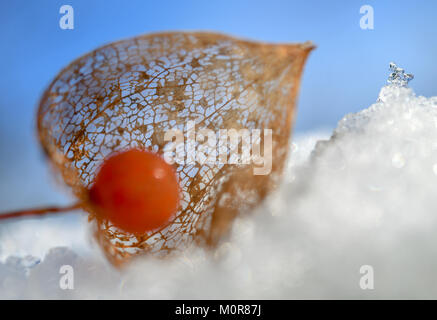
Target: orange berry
{"points": [[136, 190]]}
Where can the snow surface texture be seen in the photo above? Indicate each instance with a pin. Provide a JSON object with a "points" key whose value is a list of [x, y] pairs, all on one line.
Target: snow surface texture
{"points": [[363, 197]]}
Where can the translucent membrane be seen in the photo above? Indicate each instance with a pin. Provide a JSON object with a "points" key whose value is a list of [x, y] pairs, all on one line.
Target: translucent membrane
{"points": [[130, 93]]}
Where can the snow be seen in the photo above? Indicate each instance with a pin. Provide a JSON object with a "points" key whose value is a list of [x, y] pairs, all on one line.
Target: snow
{"points": [[364, 196]]}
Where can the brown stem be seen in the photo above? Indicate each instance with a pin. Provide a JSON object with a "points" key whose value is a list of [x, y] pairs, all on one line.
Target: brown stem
{"points": [[39, 212]]}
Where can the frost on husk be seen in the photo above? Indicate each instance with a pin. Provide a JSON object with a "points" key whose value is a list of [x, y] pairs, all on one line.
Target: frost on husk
{"points": [[129, 93]]}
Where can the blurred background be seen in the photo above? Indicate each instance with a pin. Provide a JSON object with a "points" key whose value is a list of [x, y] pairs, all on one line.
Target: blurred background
{"points": [[343, 75]]}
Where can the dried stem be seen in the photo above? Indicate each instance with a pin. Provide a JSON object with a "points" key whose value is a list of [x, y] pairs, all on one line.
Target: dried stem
{"points": [[38, 212]]}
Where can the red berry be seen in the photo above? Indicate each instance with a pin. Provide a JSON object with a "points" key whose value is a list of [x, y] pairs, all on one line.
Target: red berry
{"points": [[136, 190]]}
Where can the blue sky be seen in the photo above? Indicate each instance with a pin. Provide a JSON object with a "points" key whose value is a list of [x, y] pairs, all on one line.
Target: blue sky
{"points": [[343, 75]]}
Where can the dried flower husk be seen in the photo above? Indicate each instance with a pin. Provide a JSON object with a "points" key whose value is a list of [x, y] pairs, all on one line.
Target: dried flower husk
{"points": [[129, 93]]}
